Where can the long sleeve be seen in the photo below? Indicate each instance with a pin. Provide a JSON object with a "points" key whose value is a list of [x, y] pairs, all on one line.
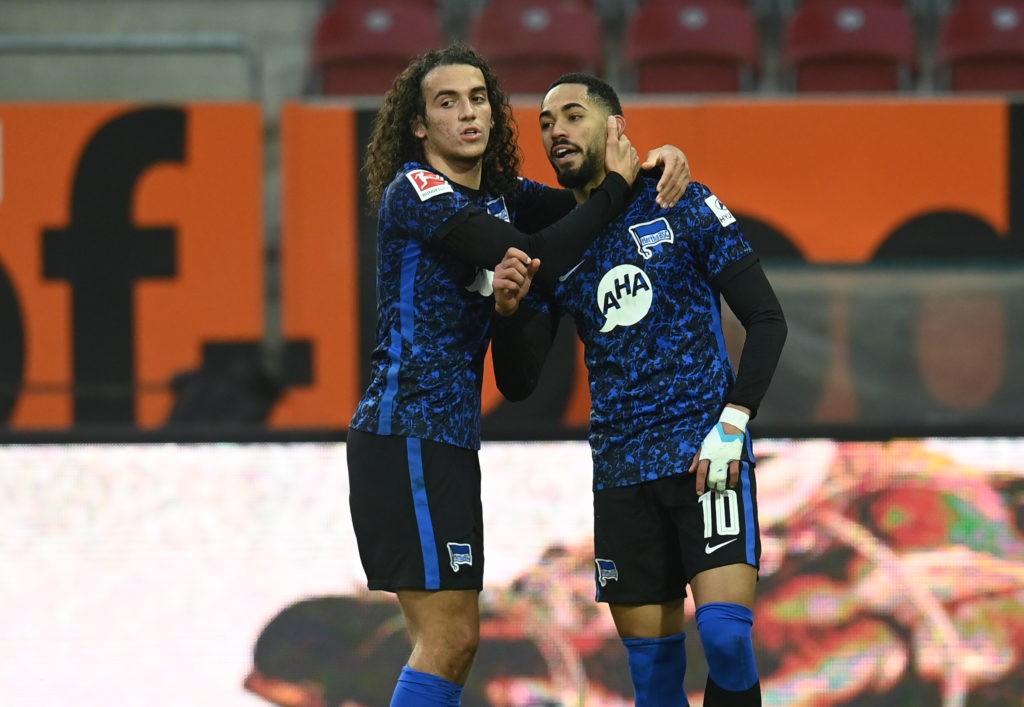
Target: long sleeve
{"points": [[476, 236], [519, 346], [751, 298]]}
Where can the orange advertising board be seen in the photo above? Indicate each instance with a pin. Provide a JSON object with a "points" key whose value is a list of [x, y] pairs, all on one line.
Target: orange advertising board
{"points": [[836, 180], [132, 250], [834, 177], [319, 251], [131, 237]]}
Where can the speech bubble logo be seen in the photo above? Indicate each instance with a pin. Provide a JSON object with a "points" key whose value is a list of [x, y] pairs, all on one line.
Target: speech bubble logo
{"points": [[624, 296]]}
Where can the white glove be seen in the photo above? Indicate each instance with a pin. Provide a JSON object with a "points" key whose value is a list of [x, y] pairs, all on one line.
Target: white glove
{"points": [[720, 448]]}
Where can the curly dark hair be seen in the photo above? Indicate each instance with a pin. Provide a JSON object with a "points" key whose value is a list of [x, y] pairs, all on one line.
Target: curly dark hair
{"points": [[392, 142]]}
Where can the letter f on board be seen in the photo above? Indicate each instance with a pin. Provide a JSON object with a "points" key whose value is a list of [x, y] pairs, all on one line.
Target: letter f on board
{"points": [[102, 253]]}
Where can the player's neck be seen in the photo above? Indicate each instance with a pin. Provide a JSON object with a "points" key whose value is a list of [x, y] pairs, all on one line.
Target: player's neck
{"points": [[583, 193], [467, 174]]}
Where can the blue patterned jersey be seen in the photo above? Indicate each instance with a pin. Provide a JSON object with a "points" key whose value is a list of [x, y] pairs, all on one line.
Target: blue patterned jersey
{"points": [[650, 319], [433, 314]]}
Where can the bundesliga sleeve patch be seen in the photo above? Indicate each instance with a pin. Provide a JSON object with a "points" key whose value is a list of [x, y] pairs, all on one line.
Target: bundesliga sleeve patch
{"points": [[428, 184], [720, 210]]}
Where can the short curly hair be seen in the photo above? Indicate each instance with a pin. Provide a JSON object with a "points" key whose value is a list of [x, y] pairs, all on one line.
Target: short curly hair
{"points": [[598, 90], [392, 142]]}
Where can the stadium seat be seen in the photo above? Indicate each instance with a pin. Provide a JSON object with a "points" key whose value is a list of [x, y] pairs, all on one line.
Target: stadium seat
{"points": [[360, 46], [901, 4], [981, 46], [788, 7], [691, 46], [849, 45], [530, 43]]}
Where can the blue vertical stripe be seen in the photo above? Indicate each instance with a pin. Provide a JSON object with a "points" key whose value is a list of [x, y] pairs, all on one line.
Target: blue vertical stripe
{"points": [[716, 324], [748, 511], [387, 403], [406, 323], [431, 570]]}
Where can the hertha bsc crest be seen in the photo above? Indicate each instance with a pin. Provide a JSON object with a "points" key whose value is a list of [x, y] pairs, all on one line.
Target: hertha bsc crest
{"points": [[460, 554], [606, 571], [651, 233]]}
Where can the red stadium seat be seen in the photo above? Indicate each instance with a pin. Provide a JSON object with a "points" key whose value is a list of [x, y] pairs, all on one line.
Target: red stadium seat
{"points": [[793, 5], [901, 4], [691, 46], [849, 45], [981, 46], [530, 43], [360, 46]]}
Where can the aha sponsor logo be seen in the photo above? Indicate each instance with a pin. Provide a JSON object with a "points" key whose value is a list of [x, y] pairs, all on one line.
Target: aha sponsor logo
{"points": [[624, 296]]}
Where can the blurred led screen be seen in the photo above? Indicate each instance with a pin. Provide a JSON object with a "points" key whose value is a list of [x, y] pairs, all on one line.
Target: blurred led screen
{"points": [[892, 574]]}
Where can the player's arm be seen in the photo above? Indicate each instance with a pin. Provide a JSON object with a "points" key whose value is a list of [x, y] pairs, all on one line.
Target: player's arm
{"points": [[480, 238], [519, 346], [521, 335], [750, 296], [546, 204], [541, 205]]}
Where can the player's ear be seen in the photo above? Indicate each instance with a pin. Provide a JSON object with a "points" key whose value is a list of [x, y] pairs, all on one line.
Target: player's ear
{"points": [[620, 121], [419, 127]]}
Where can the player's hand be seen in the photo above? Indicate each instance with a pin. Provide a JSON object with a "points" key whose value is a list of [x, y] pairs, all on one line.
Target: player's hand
{"points": [[675, 173], [619, 154], [512, 279], [717, 463]]}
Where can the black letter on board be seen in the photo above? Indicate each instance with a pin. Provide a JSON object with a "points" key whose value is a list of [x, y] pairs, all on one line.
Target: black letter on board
{"points": [[102, 253], [12, 347]]}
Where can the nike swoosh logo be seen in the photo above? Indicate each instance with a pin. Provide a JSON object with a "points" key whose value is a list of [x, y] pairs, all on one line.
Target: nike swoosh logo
{"points": [[709, 548], [565, 276]]}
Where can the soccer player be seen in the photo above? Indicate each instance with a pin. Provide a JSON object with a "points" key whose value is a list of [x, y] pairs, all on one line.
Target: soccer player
{"points": [[674, 489], [442, 164]]}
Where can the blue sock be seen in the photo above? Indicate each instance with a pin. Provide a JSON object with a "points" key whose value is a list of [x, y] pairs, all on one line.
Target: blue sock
{"points": [[416, 689], [657, 667], [725, 634]]}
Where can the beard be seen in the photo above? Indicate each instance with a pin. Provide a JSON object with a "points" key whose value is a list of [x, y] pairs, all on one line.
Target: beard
{"points": [[580, 176]]}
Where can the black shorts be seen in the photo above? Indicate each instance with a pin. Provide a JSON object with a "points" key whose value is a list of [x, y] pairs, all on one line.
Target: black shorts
{"points": [[652, 538], [416, 511]]}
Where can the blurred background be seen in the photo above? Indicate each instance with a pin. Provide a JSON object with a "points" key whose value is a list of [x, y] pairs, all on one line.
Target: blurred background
{"points": [[187, 308]]}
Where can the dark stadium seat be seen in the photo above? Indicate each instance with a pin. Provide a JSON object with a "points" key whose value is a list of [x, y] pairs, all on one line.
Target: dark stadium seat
{"points": [[691, 46], [359, 46], [849, 45], [788, 7], [981, 46], [901, 4], [529, 43]]}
